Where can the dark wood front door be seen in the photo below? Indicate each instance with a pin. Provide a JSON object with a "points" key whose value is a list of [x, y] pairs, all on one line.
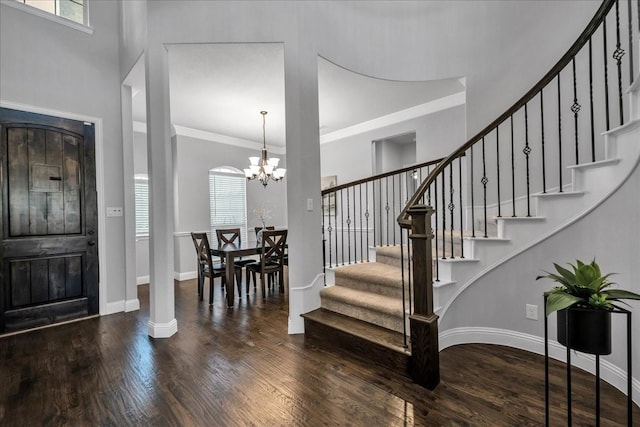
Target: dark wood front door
{"points": [[48, 220]]}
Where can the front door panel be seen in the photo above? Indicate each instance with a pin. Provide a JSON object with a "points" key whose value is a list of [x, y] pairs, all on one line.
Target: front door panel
{"points": [[49, 216]]}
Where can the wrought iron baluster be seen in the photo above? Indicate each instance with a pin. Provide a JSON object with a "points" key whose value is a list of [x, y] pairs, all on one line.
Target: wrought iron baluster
{"points": [[355, 227], [374, 210], [593, 140], [435, 215], [404, 308], [617, 55], [393, 205], [324, 241], [460, 201], [410, 275], [513, 174], [559, 136], [498, 168], [444, 217], [451, 206], [386, 207], [527, 151], [342, 225], [575, 108], [544, 179], [348, 227], [366, 215], [329, 228], [473, 207], [484, 182], [606, 72], [361, 229], [630, 17]]}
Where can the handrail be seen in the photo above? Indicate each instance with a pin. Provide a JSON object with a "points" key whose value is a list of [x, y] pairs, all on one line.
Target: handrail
{"points": [[403, 217], [380, 176]]}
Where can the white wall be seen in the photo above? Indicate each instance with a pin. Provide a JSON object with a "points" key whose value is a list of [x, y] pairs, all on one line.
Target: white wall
{"points": [[49, 66], [436, 135]]}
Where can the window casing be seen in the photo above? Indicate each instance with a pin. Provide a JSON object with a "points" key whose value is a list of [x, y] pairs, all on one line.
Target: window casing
{"points": [[142, 205], [73, 10], [228, 200]]}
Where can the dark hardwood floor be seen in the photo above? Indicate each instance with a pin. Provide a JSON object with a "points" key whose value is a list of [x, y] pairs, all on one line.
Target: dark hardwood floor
{"points": [[238, 367]]}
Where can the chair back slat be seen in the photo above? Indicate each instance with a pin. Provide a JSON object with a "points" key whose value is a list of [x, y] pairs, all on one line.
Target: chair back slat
{"points": [[201, 243], [273, 246], [228, 236]]}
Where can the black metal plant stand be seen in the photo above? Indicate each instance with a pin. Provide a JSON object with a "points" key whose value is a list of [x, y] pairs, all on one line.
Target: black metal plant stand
{"points": [[616, 310]]}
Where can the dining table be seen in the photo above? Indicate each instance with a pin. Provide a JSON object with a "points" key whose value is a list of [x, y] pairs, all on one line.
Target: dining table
{"points": [[229, 252]]}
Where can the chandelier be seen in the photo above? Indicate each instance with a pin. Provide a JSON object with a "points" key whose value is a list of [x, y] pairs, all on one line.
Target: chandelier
{"points": [[263, 167]]}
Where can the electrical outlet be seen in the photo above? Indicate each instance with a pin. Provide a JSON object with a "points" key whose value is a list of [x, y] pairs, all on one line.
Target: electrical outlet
{"points": [[114, 211], [309, 205], [532, 312]]}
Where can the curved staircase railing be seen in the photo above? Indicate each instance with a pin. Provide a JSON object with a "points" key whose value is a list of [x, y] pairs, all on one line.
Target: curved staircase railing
{"points": [[526, 150], [360, 214]]}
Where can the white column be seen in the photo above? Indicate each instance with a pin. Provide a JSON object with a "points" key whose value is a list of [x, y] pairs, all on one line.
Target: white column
{"points": [[131, 289], [303, 182], [162, 322]]}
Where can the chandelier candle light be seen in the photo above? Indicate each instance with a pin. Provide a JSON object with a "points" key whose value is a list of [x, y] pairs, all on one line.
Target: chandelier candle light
{"points": [[263, 167]]}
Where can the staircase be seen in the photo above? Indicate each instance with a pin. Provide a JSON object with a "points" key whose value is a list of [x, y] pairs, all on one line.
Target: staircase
{"points": [[366, 302]]}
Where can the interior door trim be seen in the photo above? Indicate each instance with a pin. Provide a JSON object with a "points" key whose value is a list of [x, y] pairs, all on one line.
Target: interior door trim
{"points": [[102, 224]]}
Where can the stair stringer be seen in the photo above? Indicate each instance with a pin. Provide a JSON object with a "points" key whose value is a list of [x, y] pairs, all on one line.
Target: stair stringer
{"points": [[625, 138]]}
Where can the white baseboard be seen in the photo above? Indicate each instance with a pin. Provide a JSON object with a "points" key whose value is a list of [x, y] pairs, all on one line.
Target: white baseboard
{"points": [[303, 299], [123, 306], [132, 305], [162, 330], [609, 372], [142, 280], [115, 307], [188, 275]]}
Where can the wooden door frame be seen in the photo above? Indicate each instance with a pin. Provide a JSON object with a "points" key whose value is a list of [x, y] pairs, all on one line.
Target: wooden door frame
{"points": [[102, 248]]}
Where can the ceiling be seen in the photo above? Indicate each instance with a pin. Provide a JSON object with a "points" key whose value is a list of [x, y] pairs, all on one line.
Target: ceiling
{"points": [[222, 87]]}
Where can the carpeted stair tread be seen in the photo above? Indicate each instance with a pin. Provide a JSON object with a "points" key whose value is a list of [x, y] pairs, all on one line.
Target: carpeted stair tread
{"points": [[371, 272]]}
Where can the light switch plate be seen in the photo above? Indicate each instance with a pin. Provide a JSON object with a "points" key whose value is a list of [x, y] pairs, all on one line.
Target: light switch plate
{"points": [[309, 204]]}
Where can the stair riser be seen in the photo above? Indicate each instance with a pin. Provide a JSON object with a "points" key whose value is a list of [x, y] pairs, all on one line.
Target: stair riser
{"points": [[348, 345], [384, 320], [353, 283]]}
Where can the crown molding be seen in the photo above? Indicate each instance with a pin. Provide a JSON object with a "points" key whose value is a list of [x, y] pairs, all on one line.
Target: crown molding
{"points": [[397, 117], [213, 137]]}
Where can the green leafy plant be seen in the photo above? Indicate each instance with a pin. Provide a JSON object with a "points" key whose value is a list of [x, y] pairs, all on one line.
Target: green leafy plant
{"points": [[585, 286]]}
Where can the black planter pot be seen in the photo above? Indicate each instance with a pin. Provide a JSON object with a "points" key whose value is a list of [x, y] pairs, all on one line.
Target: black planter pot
{"points": [[590, 330]]}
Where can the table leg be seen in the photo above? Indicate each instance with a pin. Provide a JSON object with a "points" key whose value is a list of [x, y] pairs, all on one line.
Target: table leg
{"points": [[230, 282]]}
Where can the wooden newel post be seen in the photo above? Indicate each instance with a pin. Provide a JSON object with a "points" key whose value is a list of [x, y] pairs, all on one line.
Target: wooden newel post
{"points": [[425, 356]]}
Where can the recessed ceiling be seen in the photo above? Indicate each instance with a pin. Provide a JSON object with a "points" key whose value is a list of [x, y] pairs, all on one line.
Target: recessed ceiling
{"points": [[222, 87]]}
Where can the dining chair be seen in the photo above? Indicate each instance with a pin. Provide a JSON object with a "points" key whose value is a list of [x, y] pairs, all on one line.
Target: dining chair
{"points": [[206, 267], [233, 236], [273, 247], [259, 229]]}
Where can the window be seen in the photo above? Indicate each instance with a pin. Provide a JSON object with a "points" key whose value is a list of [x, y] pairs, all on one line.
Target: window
{"points": [[228, 199], [73, 10], [142, 205]]}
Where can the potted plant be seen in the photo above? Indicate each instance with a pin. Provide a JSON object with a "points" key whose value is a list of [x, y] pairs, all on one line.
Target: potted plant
{"points": [[585, 294]]}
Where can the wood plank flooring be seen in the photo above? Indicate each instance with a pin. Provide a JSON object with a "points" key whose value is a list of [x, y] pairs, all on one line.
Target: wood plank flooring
{"points": [[238, 367]]}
